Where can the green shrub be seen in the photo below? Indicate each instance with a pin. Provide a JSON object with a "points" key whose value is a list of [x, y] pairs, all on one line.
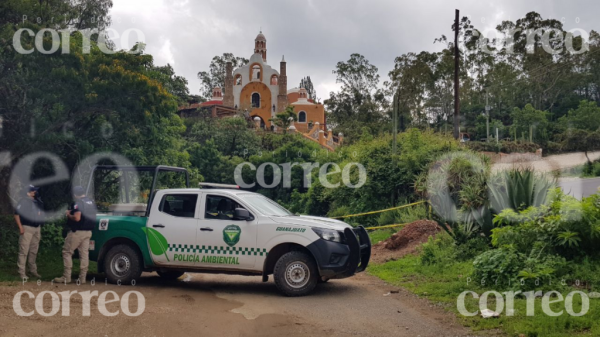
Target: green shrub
{"points": [[404, 215], [591, 169], [519, 189], [390, 178], [472, 248], [498, 266], [437, 251], [504, 147], [52, 237]]}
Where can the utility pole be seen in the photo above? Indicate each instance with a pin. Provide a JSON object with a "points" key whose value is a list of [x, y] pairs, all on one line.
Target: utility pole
{"points": [[487, 121], [395, 107], [456, 98]]}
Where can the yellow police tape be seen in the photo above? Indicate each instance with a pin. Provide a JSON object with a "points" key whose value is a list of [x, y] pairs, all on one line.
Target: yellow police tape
{"points": [[387, 226], [383, 210]]}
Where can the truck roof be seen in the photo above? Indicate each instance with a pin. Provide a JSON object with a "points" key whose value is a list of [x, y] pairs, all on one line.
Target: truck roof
{"points": [[210, 190]]}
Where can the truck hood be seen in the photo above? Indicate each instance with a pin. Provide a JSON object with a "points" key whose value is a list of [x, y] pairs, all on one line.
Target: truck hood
{"points": [[311, 221]]}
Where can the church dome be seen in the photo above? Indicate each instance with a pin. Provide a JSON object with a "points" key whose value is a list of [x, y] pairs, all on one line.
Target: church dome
{"points": [[260, 37]]}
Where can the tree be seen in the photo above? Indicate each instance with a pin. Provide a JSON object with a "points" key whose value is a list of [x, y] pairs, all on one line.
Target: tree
{"points": [[585, 117], [230, 136], [307, 84], [282, 119], [357, 75], [359, 103], [78, 104], [581, 140], [215, 76], [529, 119], [175, 85]]}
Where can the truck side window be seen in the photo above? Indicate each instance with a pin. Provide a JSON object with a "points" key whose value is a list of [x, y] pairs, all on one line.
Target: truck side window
{"points": [[179, 205], [220, 208]]}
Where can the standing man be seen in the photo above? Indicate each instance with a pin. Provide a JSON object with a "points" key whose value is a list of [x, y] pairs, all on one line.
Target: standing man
{"points": [[81, 219], [28, 217]]}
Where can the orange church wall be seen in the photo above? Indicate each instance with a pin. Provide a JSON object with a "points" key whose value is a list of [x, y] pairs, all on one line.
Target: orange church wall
{"points": [[314, 112], [265, 101]]}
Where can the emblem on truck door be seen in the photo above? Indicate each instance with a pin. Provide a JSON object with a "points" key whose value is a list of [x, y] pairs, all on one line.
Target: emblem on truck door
{"points": [[231, 235]]}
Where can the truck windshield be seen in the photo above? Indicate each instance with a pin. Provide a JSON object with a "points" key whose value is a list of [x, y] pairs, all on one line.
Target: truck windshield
{"points": [[265, 205]]}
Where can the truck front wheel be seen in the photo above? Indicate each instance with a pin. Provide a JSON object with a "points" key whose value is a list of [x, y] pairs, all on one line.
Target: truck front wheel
{"points": [[122, 264], [295, 274]]}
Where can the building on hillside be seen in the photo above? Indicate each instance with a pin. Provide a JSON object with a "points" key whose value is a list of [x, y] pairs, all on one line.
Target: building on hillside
{"points": [[214, 106], [263, 91], [257, 90]]}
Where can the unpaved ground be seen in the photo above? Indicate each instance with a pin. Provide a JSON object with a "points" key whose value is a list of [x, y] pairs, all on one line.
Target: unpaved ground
{"points": [[215, 305], [404, 242], [551, 163]]}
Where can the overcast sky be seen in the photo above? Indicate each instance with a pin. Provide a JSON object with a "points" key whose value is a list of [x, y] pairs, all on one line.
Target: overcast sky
{"points": [[315, 34]]}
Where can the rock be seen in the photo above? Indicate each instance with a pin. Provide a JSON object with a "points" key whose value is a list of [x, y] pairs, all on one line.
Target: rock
{"points": [[487, 313], [594, 294], [388, 294]]}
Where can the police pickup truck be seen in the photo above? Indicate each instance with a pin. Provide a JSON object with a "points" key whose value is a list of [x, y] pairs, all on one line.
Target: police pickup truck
{"points": [[222, 229]]}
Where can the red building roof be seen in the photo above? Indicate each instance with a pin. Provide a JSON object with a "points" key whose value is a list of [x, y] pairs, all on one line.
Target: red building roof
{"points": [[214, 102]]}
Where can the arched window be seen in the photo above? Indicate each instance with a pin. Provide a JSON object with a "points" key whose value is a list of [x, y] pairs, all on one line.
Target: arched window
{"points": [[302, 117], [238, 79], [274, 108], [256, 100], [256, 72], [274, 80]]}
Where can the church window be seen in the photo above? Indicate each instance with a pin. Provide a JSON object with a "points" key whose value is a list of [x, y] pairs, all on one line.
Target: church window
{"points": [[302, 117], [238, 79], [256, 100], [274, 108], [274, 80], [256, 72]]}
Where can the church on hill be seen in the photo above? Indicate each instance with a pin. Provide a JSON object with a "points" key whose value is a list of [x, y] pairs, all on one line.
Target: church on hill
{"points": [[263, 91], [260, 92]]}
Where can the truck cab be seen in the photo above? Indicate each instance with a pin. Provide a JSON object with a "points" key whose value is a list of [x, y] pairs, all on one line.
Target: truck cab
{"points": [[226, 230]]}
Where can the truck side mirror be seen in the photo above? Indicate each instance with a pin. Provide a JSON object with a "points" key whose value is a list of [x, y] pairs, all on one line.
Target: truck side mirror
{"points": [[242, 214]]}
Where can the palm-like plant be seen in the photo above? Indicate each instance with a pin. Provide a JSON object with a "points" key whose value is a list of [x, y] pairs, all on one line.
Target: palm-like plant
{"points": [[519, 190]]}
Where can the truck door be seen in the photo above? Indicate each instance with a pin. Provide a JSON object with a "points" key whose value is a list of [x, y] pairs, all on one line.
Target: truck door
{"points": [[225, 242], [172, 228]]}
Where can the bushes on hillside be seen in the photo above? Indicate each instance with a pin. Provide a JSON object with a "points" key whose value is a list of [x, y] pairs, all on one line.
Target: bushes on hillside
{"points": [[52, 236], [503, 146], [390, 179], [537, 245]]}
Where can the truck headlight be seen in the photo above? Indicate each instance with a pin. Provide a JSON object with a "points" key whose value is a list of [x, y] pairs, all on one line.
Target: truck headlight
{"points": [[329, 234]]}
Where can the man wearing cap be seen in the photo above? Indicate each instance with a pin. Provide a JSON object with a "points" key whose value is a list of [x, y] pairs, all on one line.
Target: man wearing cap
{"points": [[81, 219], [28, 217]]}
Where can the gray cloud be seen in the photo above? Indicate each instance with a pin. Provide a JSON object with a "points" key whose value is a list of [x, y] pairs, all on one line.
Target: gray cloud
{"points": [[315, 34]]}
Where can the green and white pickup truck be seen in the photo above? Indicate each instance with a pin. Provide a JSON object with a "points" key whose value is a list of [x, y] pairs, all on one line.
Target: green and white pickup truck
{"points": [[223, 229]]}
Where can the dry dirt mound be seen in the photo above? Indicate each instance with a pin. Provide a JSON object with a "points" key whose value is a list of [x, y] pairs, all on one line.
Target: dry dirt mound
{"points": [[406, 241]]}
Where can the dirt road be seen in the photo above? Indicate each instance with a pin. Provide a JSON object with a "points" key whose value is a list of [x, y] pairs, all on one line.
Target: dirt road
{"points": [[214, 305], [551, 163]]}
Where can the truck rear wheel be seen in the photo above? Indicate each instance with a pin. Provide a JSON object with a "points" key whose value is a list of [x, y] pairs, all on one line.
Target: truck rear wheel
{"points": [[170, 275], [122, 264], [295, 274]]}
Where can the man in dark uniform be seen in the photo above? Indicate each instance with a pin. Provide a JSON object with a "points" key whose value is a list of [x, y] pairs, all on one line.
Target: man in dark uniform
{"points": [[81, 219], [28, 217]]}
